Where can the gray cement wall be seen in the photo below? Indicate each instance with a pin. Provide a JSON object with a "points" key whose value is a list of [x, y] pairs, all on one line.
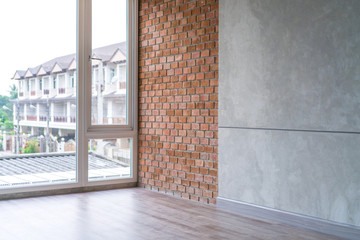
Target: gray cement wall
{"points": [[289, 106]]}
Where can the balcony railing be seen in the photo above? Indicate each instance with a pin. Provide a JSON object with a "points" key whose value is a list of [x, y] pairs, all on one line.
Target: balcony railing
{"points": [[111, 120], [33, 93], [59, 119], [122, 85], [46, 91], [21, 94], [31, 118], [61, 90]]}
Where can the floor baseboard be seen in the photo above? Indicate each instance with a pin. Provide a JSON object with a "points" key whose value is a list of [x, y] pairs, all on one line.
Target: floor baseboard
{"points": [[292, 219]]}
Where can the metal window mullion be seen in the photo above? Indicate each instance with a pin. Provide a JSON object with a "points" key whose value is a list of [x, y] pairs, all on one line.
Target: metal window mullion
{"points": [[133, 40], [83, 46]]}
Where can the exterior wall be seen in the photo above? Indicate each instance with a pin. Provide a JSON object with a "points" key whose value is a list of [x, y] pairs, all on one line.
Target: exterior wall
{"points": [[178, 98], [289, 114]]}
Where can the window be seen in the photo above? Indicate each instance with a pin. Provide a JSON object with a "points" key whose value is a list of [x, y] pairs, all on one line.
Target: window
{"points": [[40, 84], [46, 87], [28, 85], [72, 80], [111, 140], [32, 85], [111, 122]]}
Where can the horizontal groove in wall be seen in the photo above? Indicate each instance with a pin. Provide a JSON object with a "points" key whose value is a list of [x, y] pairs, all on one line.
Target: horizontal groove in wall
{"points": [[288, 130]]}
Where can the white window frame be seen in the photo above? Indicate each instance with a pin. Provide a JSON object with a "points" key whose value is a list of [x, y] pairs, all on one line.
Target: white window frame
{"points": [[84, 130]]}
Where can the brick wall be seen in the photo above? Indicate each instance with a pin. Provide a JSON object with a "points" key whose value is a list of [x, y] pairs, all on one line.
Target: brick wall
{"points": [[178, 97]]}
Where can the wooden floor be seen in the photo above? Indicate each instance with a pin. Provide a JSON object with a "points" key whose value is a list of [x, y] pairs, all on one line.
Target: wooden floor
{"points": [[132, 213]]}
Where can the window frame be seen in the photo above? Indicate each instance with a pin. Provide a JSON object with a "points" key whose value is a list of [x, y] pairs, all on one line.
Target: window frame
{"points": [[84, 130], [84, 88]]}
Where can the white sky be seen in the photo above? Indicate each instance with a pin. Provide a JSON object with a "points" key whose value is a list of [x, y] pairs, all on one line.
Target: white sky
{"points": [[33, 32]]}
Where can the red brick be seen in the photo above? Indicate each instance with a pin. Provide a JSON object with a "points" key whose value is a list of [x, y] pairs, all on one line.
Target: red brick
{"points": [[178, 97]]}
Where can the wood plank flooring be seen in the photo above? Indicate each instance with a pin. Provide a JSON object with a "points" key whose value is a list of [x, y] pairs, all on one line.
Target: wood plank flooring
{"points": [[133, 213]]}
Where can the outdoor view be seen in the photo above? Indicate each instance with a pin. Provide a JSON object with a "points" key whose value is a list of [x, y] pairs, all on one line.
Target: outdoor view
{"points": [[38, 92]]}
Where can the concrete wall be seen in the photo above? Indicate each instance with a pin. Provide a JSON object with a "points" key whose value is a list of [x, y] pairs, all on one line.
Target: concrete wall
{"points": [[289, 106]]}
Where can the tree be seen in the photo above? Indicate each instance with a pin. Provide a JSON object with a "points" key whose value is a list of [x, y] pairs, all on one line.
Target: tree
{"points": [[6, 112], [13, 91], [4, 100]]}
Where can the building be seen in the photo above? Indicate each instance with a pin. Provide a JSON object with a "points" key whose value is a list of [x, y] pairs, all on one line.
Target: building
{"points": [[47, 93]]}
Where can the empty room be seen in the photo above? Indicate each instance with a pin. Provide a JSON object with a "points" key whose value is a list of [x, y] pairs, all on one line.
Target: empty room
{"points": [[180, 119]]}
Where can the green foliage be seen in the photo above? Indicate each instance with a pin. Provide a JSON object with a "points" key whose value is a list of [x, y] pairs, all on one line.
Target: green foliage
{"points": [[4, 100], [32, 146], [9, 126], [4, 120], [3, 115], [6, 112], [13, 92]]}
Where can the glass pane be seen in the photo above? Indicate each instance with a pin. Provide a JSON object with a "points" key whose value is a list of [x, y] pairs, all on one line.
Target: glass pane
{"points": [[109, 158], [37, 102], [109, 78]]}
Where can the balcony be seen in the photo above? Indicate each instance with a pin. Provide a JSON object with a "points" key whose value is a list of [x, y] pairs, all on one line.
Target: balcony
{"points": [[61, 90], [31, 118], [70, 90], [42, 118], [122, 85], [111, 120], [33, 93], [46, 91], [21, 94], [61, 119]]}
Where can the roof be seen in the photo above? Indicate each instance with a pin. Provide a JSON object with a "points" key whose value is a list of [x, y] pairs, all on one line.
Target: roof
{"points": [[105, 53], [27, 169]]}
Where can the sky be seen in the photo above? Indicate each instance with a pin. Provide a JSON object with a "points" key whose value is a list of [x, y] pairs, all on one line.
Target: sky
{"points": [[36, 31]]}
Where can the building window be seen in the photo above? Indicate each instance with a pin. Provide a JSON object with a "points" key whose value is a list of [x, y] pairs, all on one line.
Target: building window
{"points": [[112, 73], [72, 81], [54, 83], [40, 84], [28, 85]]}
